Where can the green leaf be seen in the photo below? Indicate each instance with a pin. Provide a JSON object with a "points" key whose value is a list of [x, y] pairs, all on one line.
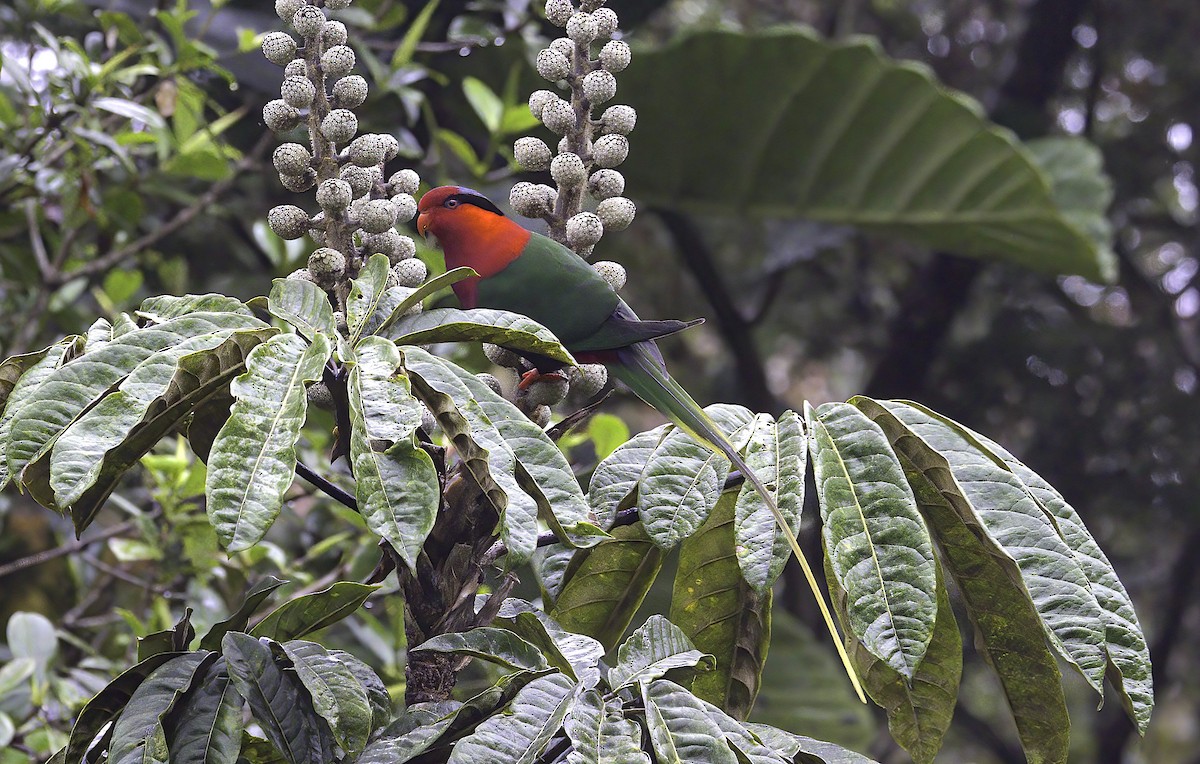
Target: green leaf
{"points": [[277, 698], [919, 708], [804, 749], [721, 614], [994, 503], [1011, 633], [207, 726], [8, 730], [1079, 186], [656, 647], [107, 703], [521, 731], [130, 110], [255, 596], [397, 485], [616, 477], [609, 585], [877, 545], [683, 480], [778, 453], [337, 695], [120, 285], [377, 692], [140, 723], [12, 369], [498, 327], [163, 308], [607, 432], [412, 37], [313, 612], [304, 305], [20, 390], [885, 148], [487, 105], [576, 655], [600, 733], [366, 294], [499, 646], [32, 636], [1128, 654], [254, 456], [418, 730], [15, 673], [418, 295], [680, 727], [747, 743]]}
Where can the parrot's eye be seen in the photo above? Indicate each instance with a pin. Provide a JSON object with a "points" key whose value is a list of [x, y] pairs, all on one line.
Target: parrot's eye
{"points": [[451, 203]]}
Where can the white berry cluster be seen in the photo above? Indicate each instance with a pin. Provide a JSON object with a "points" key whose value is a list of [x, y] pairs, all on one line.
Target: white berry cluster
{"points": [[591, 147], [548, 390], [360, 205]]}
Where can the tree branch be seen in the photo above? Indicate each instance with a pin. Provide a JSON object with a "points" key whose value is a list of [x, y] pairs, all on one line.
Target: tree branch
{"points": [[51, 554], [335, 492]]}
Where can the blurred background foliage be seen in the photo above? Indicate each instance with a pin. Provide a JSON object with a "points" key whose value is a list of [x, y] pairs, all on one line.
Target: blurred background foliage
{"points": [[133, 162]]}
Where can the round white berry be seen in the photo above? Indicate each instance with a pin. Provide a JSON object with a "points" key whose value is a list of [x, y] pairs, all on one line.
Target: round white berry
{"points": [[615, 56], [339, 125], [605, 184], [301, 274], [391, 147], [501, 356], [559, 116], [538, 100], [298, 92], [288, 221], [552, 65], [558, 12], [296, 68], [546, 391], [610, 150], [565, 46], [616, 213], [291, 159], [280, 116], [532, 154], [377, 215], [618, 119], [361, 179], [406, 207], [528, 200], [581, 28], [588, 379], [367, 150], [584, 230], [611, 272], [411, 272], [606, 22], [492, 383], [350, 92], [540, 416], [568, 170], [335, 31], [334, 195], [389, 243], [309, 21], [299, 183], [286, 9], [279, 48], [327, 266], [337, 61], [404, 182], [599, 86]]}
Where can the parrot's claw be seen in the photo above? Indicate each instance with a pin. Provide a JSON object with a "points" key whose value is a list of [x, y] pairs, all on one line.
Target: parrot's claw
{"points": [[533, 375]]}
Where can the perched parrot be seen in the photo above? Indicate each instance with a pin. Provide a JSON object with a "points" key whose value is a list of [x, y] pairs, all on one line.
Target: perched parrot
{"points": [[527, 273]]}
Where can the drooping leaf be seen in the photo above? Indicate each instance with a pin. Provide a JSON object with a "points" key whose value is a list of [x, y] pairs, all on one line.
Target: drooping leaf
{"points": [[140, 722], [499, 646], [680, 727], [397, 486], [498, 327], [304, 305], [519, 734], [337, 695], [12, 369], [253, 459], [206, 728], [365, 295], [255, 596], [747, 743], [377, 692], [616, 477], [778, 453], [576, 655], [23, 386], [107, 703], [1078, 185], [277, 698], [312, 612], [886, 148], [416, 732], [653, 649], [612, 580], [805, 750], [600, 733], [163, 308], [721, 614], [877, 545]]}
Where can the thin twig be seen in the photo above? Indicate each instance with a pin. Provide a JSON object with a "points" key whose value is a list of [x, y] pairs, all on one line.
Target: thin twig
{"points": [[341, 496], [127, 577], [36, 242], [65, 549]]}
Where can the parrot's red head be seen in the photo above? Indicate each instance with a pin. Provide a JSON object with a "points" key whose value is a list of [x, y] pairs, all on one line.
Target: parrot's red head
{"points": [[446, 208]]}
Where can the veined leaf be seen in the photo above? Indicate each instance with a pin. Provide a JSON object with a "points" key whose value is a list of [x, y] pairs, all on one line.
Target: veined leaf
{"points": [[576, 655], [397, 488], [109, 702], [313, 612], [721, 613], [140, 723], [377, 692], [421, 729], [600, 733], [1011, 630], [805, 750], [24, 386], [656, 647], [498, 327], [12, 369], [207, 726], [366, 294], [992, 501], [253, 459], [1078, 184], [414, 297], [778, 454], [616, 477], [886, 148], [612, 580], [337, 696], [304, 305], [683, 480], [163, 308], [680, 727], [499, 646], [519, 734], [255, 596], [876, 543], [746, 742]]}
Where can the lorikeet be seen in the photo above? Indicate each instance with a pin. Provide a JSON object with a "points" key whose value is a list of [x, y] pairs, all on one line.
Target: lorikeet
{"points": [[531, 274]]}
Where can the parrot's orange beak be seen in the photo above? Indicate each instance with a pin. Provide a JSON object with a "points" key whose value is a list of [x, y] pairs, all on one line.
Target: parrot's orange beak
{"points": [[423, 224]]}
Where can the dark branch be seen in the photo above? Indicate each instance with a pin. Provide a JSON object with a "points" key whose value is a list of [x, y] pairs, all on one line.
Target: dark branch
{"points": [[340, 495]]}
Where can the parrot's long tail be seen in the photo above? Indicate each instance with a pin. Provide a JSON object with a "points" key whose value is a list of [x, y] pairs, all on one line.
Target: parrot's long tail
{"points": [[641, 367]]}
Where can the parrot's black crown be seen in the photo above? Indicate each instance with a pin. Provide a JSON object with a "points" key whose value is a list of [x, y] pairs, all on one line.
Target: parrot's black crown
{"points": [[470, 196]]}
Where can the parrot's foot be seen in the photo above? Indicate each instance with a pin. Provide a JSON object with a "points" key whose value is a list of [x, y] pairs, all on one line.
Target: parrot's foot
{"points": [[533, 375]]}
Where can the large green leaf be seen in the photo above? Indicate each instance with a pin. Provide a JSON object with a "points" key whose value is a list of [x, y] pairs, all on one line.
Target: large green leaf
{"points": [[653, 649], [89, 457], [253, 459], [312, 612], [106, 704], [366, 295], [377, 691], [277, 698], [778, 453], [576, 655], [1078, 184], [609, 585], [337, 695], [876, 543], [12, 369], [304, 305], [411, 735], [995, 503], [680, 727], [207, 726], [499, 646], [396, 485], [255, 596], [163, 308], [683, 479], [616, 477], [413, 297], [1011, 634], [19, 390], [600, 733], [498, 327], [521, 731], [805, 750], [721, 613], [140, 722], [836, 132]]}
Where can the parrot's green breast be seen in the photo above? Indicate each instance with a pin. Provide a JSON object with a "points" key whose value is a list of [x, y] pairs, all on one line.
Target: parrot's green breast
{"points": [[553, 286]]}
